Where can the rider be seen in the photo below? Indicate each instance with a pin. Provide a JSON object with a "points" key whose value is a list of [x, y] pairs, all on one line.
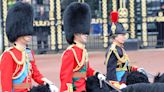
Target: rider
{"points": [[75, 66], [18, 66], [117, 60]]}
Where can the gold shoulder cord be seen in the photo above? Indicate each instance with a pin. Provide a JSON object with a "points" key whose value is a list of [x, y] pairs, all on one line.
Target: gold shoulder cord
{"points": [[17, 69], [79, 64], [22, 62], [68, 48], [16, 60], [19, 63], [113, 47], [121, 59], [125, 55], [117, 55], [70, 87]]}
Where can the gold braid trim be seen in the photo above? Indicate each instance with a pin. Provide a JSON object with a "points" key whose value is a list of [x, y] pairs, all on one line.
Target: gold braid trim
{"points": [[20, 72], [118, 57], [16, 70], [108, 56], [125, 55], [84, 56], [113, 47], [122, 59], [69, 87], [16, 60], [77, 61], [68, 48], [22, 62], [79, 64], [19, 63]]}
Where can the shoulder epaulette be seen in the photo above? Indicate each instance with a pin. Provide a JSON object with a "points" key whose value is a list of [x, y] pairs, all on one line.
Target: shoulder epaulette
{"points": [[113, 47], [8, 49], [79, 63], [121, 59], [68, 48]]}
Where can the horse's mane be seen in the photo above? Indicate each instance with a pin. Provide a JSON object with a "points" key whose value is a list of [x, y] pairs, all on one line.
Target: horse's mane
{"points": [[40, 88], [145, 87], [136, 77]]}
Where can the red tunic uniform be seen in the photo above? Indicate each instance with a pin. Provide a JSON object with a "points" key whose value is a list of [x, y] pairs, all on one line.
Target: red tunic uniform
{"points": [[75, 69], [13, 68]]}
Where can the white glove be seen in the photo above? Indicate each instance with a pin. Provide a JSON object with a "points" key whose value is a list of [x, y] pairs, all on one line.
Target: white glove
{"points": [[142, 70], [123, 86], [52, 87], [101, 77]]}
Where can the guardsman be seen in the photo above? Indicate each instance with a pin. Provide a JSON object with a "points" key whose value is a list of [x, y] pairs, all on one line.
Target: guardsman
{"points": [[18, 66], [75, 66]]}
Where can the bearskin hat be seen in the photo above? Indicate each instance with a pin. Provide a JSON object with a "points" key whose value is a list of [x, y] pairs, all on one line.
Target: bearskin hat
{"points": [[77, 19], [19, 21]]}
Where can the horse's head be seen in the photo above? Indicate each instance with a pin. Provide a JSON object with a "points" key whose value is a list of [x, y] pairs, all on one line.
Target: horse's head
{"points": [[159, 78], [136, 77], [40, 88]]}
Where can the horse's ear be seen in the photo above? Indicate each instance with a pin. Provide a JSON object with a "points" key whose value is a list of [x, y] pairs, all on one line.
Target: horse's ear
{"points": [[157, 77], [47, 85]]}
